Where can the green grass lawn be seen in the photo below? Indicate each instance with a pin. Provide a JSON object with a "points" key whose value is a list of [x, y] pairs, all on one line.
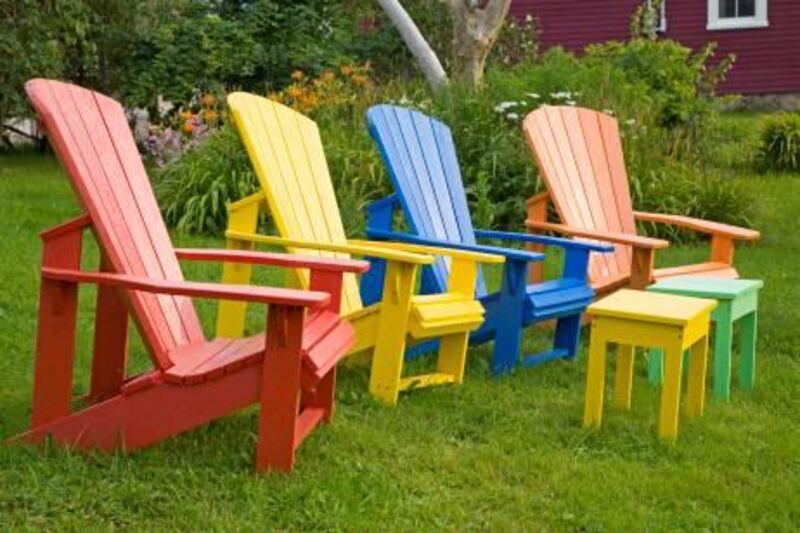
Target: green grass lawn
{"points": [[504, 453]]}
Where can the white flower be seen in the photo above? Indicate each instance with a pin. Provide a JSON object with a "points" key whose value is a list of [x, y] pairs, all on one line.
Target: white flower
{"points": [[512, 116], [608, 111], [528, 18], [535, 96], [570, 102], [502, 106], [630, 122]]}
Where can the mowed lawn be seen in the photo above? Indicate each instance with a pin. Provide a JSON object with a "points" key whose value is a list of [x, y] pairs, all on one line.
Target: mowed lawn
{"points": [[501, 454]]}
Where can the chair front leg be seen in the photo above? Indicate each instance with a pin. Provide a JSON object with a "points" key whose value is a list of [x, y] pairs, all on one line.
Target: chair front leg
{"points": [[453, 348], [242, 216], [55, 337], [642, 265], [390, 342], [722, 249], [280, 389], [508, 335]]}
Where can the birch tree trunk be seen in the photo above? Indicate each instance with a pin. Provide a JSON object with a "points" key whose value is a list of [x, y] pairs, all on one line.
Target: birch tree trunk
{"points": [[427, 60], [475, 30]]}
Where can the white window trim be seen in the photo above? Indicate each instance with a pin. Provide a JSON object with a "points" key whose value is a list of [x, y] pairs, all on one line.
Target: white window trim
{"points": [[716, 23], [662, 19]]}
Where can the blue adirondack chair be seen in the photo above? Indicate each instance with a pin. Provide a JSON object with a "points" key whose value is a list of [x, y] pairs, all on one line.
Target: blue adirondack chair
{"points": [[420, 156]]}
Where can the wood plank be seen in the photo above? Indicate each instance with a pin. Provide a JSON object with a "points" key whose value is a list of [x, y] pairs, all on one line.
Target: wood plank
{"points": [[53, 101], [590, 126], [120, 205], [386, 131], [587, 184], [616, 167], [142, 191], [561, 188]]}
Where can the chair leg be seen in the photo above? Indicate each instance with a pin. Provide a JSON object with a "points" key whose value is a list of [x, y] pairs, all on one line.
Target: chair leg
{"points": [[508, 335], [595, 379], [323, 395], [390, 343], [723, 339], [55, 353], [623, 378], [110, 343], [453, 355], [671, 393], [747, 363], [568, 333], [280, 389], [696, 389]]}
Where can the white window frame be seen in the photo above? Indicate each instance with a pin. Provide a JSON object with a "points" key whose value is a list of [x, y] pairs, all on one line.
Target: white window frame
{"points": [[716, 23], [662, 18]]}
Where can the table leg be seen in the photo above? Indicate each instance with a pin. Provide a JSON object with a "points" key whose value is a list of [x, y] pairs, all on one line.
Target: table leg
{"points": [[698, 362], [595, 379], [623, 378], [747, 364], [671, 392]]}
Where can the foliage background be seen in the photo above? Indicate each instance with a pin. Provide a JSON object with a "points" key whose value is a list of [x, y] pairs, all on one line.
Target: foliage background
{"points": [[186, 51]]}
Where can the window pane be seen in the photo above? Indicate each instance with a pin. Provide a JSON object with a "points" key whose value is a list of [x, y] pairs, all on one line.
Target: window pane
{"points": [[747, 8], [727, 9]]}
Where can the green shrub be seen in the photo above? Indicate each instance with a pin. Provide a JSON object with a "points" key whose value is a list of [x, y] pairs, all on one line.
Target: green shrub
{"points": [[194, 191], [780, 143]]}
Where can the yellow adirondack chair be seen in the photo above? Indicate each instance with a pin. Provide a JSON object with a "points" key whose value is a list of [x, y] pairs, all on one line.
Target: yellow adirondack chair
{"points": [[286, 152]]}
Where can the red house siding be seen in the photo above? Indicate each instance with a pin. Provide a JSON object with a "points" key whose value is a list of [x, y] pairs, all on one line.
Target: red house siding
{"points": [[768, 59]]}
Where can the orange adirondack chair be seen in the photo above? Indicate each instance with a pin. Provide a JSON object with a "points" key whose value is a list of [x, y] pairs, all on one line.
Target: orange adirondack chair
{"points": [[291, 370], [579, 154]]}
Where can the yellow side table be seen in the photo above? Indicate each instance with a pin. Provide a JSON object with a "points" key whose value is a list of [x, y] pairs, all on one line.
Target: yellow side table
{"points": [[673, 323]]}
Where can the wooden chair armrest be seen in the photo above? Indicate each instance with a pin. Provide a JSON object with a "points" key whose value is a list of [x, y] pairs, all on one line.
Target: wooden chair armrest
{"points": [[242, 293], [539, 239], [507, 253], [366, 251], [699, 225], [618, 238], [480, 257], [281, 260]]}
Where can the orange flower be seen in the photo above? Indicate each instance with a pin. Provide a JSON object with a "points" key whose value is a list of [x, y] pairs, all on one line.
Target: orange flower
{"points": [[186, 115], [188, 128], [275, 97], [209, 115], [208, 100], [328, 75], [297, 75], [358, 79], [346, 69], [294, 91]]}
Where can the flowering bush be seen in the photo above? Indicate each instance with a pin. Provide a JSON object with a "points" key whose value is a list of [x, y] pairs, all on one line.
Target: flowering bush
{"points": [[182, 131], [347, 85]]}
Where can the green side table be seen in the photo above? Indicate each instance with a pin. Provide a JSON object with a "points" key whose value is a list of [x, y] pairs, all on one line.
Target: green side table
{"points": [[738, 300]]}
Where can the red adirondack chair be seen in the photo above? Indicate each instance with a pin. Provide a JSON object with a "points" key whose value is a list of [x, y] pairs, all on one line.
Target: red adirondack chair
{"points": [[579, 154], [291, 370]]}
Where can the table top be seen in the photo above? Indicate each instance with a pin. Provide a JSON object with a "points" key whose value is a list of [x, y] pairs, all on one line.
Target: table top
{"points": [[652, 307], [717, 288]]}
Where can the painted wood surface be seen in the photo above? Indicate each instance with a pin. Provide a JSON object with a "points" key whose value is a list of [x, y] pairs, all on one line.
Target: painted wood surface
{"points": [[668, 322], [579, 155], [287, 154], [420, 157], [291, 369]]}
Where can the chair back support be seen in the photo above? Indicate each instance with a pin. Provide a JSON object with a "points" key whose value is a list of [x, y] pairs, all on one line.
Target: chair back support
{"points": [[90, 135], [420, 156], [286, 152], [580, 157]]}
